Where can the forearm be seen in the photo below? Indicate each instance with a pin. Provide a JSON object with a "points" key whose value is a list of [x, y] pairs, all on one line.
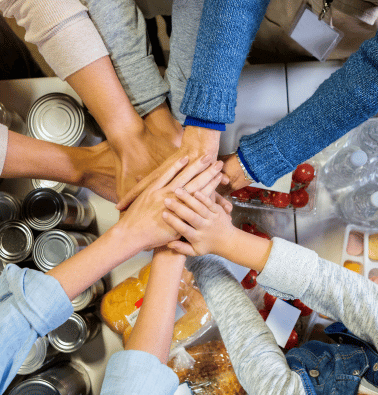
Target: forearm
{"points": [[294, 272], [99, 88], [153, 330], [345, 100], [86, 267], [258, 362]]}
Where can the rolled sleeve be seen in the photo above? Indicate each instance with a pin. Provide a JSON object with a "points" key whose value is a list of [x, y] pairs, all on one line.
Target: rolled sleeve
{"points": [[138, 373]]}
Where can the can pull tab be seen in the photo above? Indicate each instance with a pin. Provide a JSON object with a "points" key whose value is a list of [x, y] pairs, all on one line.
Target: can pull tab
{"points": [[325, 9]]}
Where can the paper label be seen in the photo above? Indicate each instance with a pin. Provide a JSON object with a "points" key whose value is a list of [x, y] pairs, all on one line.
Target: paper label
{"points": [[315, 35], [281, 321], [179, 312], [133, 317]]}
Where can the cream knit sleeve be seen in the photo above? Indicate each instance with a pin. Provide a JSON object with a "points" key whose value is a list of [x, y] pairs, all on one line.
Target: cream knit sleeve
{"points": [[62, 31], [3, 145]]}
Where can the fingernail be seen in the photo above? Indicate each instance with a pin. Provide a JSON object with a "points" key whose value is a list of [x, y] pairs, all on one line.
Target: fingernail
{"points": [[219, 165], [179, 192], [167, 201], [219, 176], [206, 158], [184, 160], [229, 207], [165, 214]]}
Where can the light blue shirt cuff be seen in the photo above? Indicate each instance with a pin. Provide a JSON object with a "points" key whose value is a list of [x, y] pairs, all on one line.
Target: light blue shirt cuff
{"points": [[135, 372]]}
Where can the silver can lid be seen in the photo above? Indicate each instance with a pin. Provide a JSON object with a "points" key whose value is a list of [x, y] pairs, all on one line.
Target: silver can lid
{"points": [[52, 248], [90, 237], [43, 209], [70, 336], [83, 300], [35, 386], [16, 241], [58, 118], [55, 185], [36, 356], [10, 207]]}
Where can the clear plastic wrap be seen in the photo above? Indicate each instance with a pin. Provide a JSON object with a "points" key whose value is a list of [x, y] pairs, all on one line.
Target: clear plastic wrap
{"points": [[212, 372]]}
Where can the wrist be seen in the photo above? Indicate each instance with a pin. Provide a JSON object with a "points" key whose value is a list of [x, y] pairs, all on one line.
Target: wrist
{"points": [[201, 140]]}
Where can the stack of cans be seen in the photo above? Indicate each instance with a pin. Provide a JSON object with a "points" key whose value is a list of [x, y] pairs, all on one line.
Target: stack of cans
{"points": [[89, 296], [59, 187], [10, 207]]}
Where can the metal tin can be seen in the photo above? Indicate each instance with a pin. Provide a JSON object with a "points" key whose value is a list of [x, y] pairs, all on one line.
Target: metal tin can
{"points": [[58, 118], [76, 331], [64, 378], [44, 209], [16, 241], [59, 187], [12, 120], [89, 296], [55, 246], [40, 354], [2, 266], [10, 207]]}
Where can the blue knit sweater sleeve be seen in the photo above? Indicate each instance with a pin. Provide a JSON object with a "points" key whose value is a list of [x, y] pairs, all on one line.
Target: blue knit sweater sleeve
{"points": [[226, 31], [348, 98]]}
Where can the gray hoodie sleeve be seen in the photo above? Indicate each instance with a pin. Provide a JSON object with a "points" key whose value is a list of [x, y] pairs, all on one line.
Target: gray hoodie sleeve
{"points": [[258, 362], [293, 272], [3, 145], [122, 27]]}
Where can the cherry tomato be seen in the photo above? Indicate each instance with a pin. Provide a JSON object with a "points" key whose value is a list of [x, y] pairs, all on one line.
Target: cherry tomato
{"points": [[250, 228], [269, 301], [253, 192], [281, 199], [303, 173], [264, 313], [299, 198], [305, 311], [292, 185], [261, 234], [241, 194], [249, 281], [265, 196], [292, 341]]}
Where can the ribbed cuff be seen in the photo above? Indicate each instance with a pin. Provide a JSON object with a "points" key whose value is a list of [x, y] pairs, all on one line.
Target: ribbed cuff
{"points": [[190, 121], [209, 102], [289, 269], [261, 154], [3, 145]]}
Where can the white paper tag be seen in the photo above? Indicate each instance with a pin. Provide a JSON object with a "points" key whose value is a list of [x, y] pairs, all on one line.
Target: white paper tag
{"points": [[179, 312], [133, 317], [281, 321], [283, 184], [317, 37]]}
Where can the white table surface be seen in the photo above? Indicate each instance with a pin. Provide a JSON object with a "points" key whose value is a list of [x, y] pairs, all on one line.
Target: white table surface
{"points": [[263, 98]]}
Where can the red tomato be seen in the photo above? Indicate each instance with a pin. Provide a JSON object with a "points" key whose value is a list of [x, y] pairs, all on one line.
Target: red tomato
{"points": [[281, 199], [305, 311], [269, 301], [249, 281], [303, 173], [292, 185], [292, 341], [265, 196], [264, 313], [261, 234], [250, 228], [253, 192], [299, 198], [241, 194]]}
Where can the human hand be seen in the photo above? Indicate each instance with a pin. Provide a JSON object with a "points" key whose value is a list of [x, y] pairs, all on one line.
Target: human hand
{"points": [[203, 222], [235, 174], [196, 142], [144, 216]]}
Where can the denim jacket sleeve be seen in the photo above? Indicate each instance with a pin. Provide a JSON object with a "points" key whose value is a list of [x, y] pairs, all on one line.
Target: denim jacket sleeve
{"points": [[293, 272], [256, 358], [342, 102], [31, 305]]}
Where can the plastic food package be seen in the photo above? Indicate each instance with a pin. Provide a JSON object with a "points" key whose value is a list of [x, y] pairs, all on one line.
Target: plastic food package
{"points": [[121, 305], [212, 372]]}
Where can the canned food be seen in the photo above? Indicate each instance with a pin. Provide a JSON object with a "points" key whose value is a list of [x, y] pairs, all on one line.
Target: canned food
{"points": [[40, 355], [12, 120], [55, 246], [16, 241], [10, 207], [76, 331], [89, 296], [44, 209], [58, 118], [59, 187], [64, 378]]}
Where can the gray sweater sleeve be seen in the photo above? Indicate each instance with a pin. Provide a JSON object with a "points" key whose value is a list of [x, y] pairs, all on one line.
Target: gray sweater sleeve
{"points": [[258, 362], [3, 145], [293, 271], [123, 29]]}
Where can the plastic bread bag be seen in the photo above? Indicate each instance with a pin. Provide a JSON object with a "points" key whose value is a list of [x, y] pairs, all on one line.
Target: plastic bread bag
{"points": [[211, 373]]}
